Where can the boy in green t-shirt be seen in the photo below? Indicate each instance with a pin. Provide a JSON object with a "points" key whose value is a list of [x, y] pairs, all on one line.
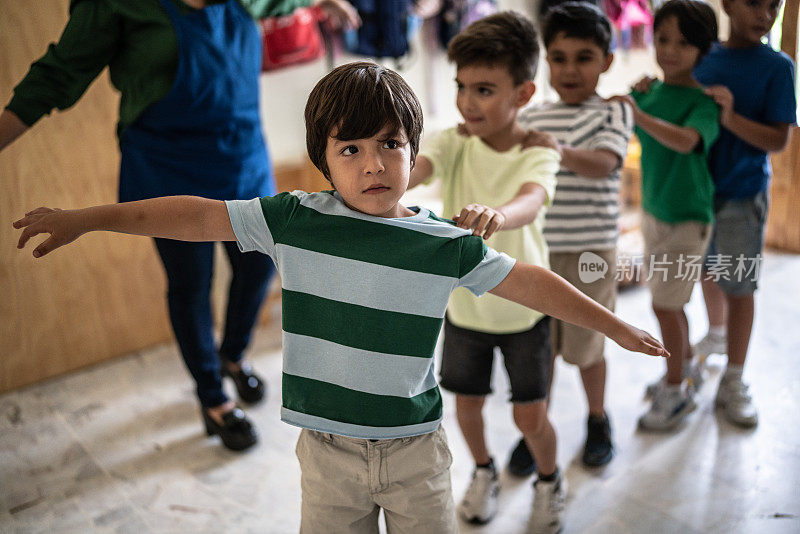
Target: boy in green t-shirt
{"points": [[497, 184], [365, 282], [676, 124]]}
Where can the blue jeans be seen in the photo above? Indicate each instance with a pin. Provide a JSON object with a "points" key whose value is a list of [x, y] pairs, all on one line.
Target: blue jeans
{"points": [[189, 268]]}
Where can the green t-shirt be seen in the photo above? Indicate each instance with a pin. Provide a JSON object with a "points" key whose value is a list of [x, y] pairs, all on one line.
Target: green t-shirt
{"points": [[678, 187], [135, 38], [472, 171]]}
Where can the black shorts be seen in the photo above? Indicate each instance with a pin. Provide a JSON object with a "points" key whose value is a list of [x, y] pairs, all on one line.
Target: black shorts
{"points": [[468, 355]]}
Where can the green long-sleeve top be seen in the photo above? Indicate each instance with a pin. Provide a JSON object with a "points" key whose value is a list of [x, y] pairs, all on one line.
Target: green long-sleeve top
{"points": [[135, 38]]}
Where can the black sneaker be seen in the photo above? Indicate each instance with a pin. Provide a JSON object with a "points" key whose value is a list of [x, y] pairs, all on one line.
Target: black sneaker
{"points": [[521, 462], [598, 450]]}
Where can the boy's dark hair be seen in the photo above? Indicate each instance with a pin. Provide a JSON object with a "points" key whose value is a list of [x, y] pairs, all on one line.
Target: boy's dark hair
{"points": [[578, 20], [507, 38], [355, 101], [696, 20]]}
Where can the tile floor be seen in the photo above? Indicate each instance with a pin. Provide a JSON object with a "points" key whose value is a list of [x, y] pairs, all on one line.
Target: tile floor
{"points": [[119, 447]]}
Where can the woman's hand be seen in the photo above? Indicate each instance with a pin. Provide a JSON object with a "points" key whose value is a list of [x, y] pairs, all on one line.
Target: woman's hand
{"points": [[64, 227], [340, 14], [482, 220]]}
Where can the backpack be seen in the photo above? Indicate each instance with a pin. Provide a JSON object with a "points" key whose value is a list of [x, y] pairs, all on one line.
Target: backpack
{"points": [[383, 31], [458, 14]]}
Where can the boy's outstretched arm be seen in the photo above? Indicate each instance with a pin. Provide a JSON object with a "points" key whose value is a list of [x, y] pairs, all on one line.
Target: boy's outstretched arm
{"points": [[767, 137], [682, 139], [547, 292], [589, 163], [182, 218]]}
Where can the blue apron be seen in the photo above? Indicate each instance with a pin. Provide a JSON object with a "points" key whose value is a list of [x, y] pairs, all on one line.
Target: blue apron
{"points": [[204, 137]]}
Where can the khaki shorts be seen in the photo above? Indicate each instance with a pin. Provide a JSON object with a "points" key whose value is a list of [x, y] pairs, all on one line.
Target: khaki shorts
{"points": [[577, 345], [672, 254], [346, 481]]}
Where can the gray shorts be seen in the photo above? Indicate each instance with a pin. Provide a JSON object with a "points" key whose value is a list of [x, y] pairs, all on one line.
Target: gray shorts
{"points": [[733, 259]]}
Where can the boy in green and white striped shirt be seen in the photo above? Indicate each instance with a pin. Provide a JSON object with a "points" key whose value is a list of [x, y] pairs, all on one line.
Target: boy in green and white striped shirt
{"points": [[365, 285]]}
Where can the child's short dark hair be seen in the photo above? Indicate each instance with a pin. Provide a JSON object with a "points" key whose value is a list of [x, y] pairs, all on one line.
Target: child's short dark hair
{"points": [[578, 20], [507, 38], [696, 20], [356, 101]]}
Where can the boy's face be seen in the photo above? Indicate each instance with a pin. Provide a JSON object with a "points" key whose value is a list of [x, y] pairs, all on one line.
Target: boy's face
{"points": [[488, 99], [751, 19], [674, 54], [371, 174], [575, 66]]}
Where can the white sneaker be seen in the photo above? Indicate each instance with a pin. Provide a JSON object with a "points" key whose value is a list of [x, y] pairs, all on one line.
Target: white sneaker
{"points": [[711, 344], [549, 499], [479, 504], [670, 406], [694, 375], [733, 396]]}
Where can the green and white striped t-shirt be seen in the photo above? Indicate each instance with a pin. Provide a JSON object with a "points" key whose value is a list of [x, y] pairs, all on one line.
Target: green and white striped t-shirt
{"points": [[363, 301]]}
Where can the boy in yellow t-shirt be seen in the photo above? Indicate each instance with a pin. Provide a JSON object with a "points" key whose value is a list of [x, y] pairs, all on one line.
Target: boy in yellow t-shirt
{"points": [[499, 177]]}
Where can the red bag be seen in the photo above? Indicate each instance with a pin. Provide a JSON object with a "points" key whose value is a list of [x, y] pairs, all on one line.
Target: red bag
{"points": [[292, 39]]}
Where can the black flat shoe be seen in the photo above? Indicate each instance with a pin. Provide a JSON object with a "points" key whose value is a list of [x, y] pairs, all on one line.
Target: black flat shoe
{"points": [[250, 387], [521, 463], [236, 430]]}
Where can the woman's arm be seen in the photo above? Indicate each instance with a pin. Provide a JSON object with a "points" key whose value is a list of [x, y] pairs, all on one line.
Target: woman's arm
{"points": [[182, 218], [547, 292], [10, 128]]}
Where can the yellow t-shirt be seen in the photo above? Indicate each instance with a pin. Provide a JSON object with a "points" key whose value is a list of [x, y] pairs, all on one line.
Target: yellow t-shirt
{"points": [[473, 172]]}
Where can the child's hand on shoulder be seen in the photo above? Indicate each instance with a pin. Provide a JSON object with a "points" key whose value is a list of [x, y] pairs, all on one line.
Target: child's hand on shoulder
{"points": [[643, 85], [482, 220], [625, 99], [724, 99], [636, 340], [461, 129], [536, 138], [62, 227]]}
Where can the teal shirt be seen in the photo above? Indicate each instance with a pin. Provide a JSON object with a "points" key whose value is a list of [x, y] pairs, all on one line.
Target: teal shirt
{"points": [[678, 187], [135, 38]]}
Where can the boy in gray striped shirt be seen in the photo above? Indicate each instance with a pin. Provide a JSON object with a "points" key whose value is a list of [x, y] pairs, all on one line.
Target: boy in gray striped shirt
{"points": [[581, 226], [365, 283]]}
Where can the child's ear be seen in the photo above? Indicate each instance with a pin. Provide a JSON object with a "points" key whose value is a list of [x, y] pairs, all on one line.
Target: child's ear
{"points": [[608, 61], [525, 92]]}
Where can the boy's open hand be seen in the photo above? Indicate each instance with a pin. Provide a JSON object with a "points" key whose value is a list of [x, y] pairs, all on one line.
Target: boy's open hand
{"points": [[633, 339], [62, 227], [482, 220]]}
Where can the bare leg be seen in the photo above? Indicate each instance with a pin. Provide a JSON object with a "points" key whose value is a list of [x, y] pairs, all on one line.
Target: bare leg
{"points": [[594, 384], [740, 325], [540, 436], [716, 303], [675, 334], [469, 412]]}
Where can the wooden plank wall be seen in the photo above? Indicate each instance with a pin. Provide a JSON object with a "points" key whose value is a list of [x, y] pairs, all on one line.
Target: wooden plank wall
{"points": [[103, 296], [783, 222]]}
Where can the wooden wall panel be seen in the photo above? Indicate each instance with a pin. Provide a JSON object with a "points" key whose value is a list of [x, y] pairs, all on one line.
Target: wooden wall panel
{"points": [[103, 295], [783, 222]]}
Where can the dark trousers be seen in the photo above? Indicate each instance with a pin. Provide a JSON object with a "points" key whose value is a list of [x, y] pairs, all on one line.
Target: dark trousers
{"points": [[189, 267]]}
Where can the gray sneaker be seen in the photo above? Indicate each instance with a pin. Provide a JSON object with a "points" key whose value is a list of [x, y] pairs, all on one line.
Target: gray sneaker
{"points": [[694, 375], [670, 406], [549, 499], [733, 396], [479, 504], [711, 344]]}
